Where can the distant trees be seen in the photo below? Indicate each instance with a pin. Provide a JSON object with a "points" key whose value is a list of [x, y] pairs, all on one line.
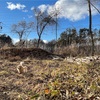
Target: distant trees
{"points": [[22, 29], [42, 21], [83, 36], [80, 39], [34, 43], [83, 39], [71, 36], [50, 46], [67, 37], [63, 40], [5, 40]]}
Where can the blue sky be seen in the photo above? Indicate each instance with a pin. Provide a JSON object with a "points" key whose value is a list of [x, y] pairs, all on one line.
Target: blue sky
{"points": [[73, 13]]}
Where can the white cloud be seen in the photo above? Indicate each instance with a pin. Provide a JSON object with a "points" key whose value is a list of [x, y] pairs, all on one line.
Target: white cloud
{"points": [[71, 9], [43, 7], [45, 41], [12, 6], [15, 40], [24, 10], [32, 8]]}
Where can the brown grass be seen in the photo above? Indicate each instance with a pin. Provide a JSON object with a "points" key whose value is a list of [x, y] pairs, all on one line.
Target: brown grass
{"points": [[49, 80], [67, 51], [46, 79], [17, 53]]}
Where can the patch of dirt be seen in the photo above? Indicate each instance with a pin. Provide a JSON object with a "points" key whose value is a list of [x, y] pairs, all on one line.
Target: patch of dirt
{"points": [[22, 53]]}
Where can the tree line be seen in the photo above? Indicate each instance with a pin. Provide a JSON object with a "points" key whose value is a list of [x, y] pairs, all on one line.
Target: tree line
{"points": [[70, 39], [85, 36]]}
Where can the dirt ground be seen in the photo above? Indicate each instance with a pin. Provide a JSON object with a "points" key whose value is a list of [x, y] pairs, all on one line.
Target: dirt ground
{"points": [[48, 79]]}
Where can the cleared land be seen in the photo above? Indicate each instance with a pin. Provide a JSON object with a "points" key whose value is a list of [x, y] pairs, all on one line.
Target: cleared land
{"points": [[48, 79]]}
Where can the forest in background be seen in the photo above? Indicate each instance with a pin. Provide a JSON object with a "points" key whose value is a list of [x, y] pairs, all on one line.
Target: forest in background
{"points": [[72, 42]]}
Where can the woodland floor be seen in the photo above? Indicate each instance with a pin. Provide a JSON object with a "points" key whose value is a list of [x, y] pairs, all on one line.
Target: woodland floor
{"points": [[47, 79]]}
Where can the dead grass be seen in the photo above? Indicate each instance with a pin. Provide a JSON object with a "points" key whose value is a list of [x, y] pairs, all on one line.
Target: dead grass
{"points": [[14, 54], [49, 80]]}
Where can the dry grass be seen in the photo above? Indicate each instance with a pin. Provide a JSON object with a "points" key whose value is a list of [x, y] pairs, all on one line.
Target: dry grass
{"points": [[67, 51], [49, 80], [14, 54]]}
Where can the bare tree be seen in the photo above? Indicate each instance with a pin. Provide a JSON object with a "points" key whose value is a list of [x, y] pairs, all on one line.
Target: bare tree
{"points": [[42, 21], [90, 26], [56, 13], [22, 29], [90, 4]]}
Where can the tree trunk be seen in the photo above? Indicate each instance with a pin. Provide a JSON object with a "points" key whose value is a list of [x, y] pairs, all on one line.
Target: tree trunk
{"points": [[38, 44], [90, 27]]}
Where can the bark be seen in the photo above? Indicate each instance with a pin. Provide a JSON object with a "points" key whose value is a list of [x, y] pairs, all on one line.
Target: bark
{"points": [[38, 44], [90, 27]]}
